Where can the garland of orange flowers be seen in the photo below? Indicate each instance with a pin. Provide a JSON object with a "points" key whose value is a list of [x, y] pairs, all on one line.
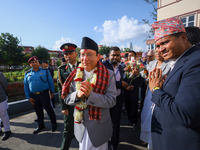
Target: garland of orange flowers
{"points": [[82, 104]]}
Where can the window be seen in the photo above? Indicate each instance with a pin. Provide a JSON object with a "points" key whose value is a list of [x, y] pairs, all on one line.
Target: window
{"points": [[149, 46], [188, 21], [152, 46]]}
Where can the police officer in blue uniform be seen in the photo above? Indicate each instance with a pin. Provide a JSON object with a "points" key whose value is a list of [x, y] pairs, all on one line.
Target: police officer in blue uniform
{"points": [[37, 82]]}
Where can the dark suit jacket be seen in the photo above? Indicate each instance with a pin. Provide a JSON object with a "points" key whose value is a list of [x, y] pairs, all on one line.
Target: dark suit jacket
{"points": [[51, 71], [108, 65], [176, 117]]}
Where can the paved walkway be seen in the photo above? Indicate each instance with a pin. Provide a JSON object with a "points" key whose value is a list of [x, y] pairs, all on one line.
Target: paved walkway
{"points": [[22, 138]]}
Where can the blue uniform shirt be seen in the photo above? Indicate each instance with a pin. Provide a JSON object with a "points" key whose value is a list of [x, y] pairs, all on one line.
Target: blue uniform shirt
{"points": [[37, 81]]}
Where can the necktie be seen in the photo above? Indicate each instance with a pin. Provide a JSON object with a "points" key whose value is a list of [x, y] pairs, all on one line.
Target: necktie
{"points": [[73, 67]]}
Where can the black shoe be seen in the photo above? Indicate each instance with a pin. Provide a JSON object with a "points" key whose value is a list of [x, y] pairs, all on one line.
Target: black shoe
{"points": [[0, 131], [6, 135], [38, 129], [54, 126], [36, 120], [113, 147]]}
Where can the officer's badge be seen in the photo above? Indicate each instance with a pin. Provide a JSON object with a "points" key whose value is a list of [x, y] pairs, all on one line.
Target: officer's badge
{"points": [[66, 74], [41, 73], [66, 47]]}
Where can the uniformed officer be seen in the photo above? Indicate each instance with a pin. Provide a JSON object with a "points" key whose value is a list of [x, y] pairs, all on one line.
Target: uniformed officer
{"points": [[37, 82], [70, 55]]}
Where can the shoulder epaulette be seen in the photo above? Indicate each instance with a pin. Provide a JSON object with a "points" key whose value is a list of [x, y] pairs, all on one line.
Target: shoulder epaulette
{"points": [[28, 71], [62, 66]]}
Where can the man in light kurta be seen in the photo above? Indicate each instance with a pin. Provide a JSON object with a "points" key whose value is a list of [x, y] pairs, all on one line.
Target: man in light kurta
{"points": [[91, 88]]}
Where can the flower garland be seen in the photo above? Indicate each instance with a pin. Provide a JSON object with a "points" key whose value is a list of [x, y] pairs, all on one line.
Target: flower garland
{"points": [[78, 79], [135, 64]]}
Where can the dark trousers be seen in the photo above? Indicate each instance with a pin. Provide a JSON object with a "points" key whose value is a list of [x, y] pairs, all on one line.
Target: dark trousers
{"points": [[68, 129], [115, 113], [143, 94], [53, 102], [43, 101], [131, 103]]}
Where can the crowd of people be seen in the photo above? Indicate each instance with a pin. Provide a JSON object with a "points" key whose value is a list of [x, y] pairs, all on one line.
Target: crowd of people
{"points": [[94, 93]]}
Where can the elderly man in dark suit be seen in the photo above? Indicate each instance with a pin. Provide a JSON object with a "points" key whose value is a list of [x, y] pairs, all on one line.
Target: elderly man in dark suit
{"points": [[176, 116], [115, 112]]}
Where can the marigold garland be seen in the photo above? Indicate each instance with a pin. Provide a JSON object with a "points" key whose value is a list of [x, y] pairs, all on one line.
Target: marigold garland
{"points": [[82, 105]]}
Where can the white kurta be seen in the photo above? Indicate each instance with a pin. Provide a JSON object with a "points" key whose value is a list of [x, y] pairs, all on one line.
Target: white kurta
{"points": [[86, 144]]}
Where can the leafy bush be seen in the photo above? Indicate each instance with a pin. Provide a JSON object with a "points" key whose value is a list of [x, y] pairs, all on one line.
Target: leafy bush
{"points": [[15, 78], [26, 69]]}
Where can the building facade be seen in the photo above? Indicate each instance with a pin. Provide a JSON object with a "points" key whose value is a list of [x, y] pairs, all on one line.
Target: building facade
{"points": [[187, 10]]}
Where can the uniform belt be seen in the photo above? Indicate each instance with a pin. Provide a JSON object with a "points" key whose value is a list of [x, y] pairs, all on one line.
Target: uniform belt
{"points": [[40, 92]]}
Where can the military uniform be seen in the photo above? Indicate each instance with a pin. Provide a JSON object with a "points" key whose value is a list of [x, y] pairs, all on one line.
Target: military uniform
{"points": [[63, 73], [36, 86]]}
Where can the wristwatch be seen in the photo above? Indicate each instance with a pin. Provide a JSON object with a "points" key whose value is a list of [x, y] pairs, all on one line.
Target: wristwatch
{"points": [[155, 88]]}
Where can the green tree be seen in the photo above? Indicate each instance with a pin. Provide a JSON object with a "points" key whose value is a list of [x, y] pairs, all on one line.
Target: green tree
{"points": [[78, 51], [41, 53], [58, 62], [104, 49], [10, 52], [26, 58], [153, 3], [126, 49], [153, 15]]}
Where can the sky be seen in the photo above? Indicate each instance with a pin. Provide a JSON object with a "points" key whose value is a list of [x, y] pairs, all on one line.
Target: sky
{"points": [[50, 23]]}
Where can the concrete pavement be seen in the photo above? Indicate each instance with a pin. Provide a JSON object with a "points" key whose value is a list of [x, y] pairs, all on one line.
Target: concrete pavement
{"points": [[22, 137]]}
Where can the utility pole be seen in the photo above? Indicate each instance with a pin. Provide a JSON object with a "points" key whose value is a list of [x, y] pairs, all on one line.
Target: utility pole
{"points": [[21, 41]]}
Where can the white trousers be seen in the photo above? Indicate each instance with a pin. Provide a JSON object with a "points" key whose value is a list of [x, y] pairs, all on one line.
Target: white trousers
{"points": [[4, 116], [86, 144]]}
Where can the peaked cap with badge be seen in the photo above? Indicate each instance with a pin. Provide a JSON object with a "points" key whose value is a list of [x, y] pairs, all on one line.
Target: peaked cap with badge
{"points": [[88, 43], [68, 47], [32, 58]]}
